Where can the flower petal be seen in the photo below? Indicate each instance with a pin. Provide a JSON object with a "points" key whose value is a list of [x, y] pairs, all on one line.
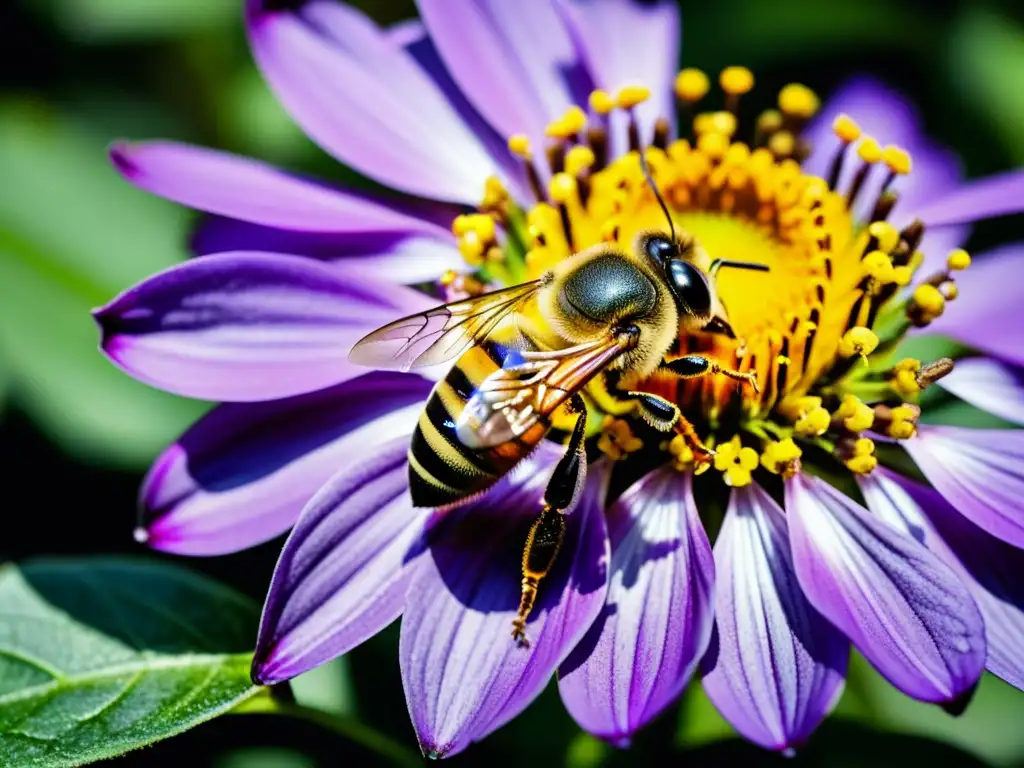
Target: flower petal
{"points": [[986, 313], [990, 568], [657, 617], [343, 572], [514, 61], [989, 385], [978, 199], [979, 471], [776, 666], [365, 99], [247, 326], [230, 185], [903, 608], [464, 675], [241, 474], [394, 257]]}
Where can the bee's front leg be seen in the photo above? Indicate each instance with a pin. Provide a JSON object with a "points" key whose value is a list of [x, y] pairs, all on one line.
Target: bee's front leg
{"points": [[548, 530], [692, 366]]}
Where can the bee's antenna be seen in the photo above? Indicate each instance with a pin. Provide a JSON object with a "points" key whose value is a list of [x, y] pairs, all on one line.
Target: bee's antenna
{"points": [[657, 194], [718, 264]]}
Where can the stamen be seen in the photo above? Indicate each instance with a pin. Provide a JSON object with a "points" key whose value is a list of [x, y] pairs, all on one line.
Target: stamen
{"points": [[899, 422], [858, 341], [692, 85], [898, 161], [519, 145], [782, 457], [736, 462], [564, 191], [799, 104], [848, 132], [628, 98], [601, 102], [858, 454], [617, 439], [597, 139], [870, 152], [853, 415], [662, 129], [903, 377], [475, 235], [735, 81], [768, 122], [926, 305]]}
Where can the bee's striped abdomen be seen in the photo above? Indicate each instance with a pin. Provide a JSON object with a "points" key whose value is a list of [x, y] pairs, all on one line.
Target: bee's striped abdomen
{"points": [[441, 469]]}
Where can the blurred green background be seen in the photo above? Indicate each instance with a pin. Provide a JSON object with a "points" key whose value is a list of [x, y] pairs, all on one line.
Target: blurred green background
{"points": [[76, 435]]}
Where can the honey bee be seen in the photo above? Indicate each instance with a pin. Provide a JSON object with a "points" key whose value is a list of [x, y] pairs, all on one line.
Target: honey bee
{"points": [[606, 312]]}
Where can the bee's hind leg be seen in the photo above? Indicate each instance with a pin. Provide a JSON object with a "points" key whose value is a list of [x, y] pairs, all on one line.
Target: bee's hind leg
{"points": [[665, 416], [548, 530]]}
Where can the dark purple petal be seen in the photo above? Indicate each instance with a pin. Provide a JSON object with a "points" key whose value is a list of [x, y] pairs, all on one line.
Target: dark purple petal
{"points": [[629, 43], [904, 609], [241, 474], [514, 61], [656, 621], [247, 326], [366, 100], [986, 313], [989, 385], [230, 185], [343, 572], [776, 666], [979, 471], [464, 674], [978, 199], [394, 257], [990, 568]]}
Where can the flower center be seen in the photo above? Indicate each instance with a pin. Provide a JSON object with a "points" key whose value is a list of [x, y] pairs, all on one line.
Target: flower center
{"points": [[802, 328]]}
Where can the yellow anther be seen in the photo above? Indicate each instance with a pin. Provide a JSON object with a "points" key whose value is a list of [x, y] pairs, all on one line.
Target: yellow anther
{"points": [[856, 416], [929, 300], [958, 260], [562, 188], [902, 276], [863, 460], [949, 290], [460, 225], [448, 277], [632, 95], [483, 225], [601, 102], [736, 80], [720, 122], [879, 267], [578, 159], [682, 454], [736, 462], [904, 422], [692, 85], [610, 228], [897, 158], [904, 376], [495, 193], [813, 423], [782, 143], [845, 128], [713, 144], [575, 119], [858, 341], [471, 248], [870, 151], [798, 101], [617, 439], [885, 234], [782, 458], [519, 146]]}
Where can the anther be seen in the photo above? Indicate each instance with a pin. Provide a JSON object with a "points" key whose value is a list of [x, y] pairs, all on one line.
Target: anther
{"points": [[899, 422], [632, 95], [858, 341], [870, 152], [601, 102], [718, 122], [858, 454], [519, 145], [768, 122], [885, 234], [898, 161], [798, 103], [578, 160], [926, 304], [958, 260], [735, 81], [934, 371], [781, 144], [691, 85], [853, 415], [736, 462], [848, 132], [782, 458]]}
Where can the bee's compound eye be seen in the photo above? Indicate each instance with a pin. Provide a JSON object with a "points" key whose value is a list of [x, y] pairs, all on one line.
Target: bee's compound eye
{"points": [[660, 249], [690, 286]]}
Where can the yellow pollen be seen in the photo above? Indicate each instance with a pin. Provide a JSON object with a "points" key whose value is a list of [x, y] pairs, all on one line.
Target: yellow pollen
{"points": [[682, 454], [863, 460], [495, 194], [632, 95], [897, 158], [736, 462], [958, 260], [519, 146], [617, 439], [845, 128], [782, 458], [869, 150], [879, 266], [902, 276], [692, 85], [568, 125], [562, 188], [713, 144], [885, 234], [858, 341], [929, 300], [736, 80], [718, 122], [904, 377], [813, 423], [799, 101], [855, 415], [782, 144], [904, 422], [601, 102], [949, 290], [578, 159]]}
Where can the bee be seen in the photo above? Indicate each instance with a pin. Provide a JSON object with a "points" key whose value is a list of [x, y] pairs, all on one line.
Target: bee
{"points": [[606, 311]]}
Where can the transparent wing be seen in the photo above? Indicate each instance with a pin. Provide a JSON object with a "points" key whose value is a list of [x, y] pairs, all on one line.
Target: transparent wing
{"points": [[528, 387], [440, 334]]}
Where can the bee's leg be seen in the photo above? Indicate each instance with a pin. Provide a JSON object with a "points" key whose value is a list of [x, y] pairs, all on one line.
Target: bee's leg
{"points": [[548, 530], [664, 415], [692, 366]]}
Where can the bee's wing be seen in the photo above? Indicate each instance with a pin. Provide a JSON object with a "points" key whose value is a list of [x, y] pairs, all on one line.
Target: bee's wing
{"points": [[440, 334], [528, 387]]}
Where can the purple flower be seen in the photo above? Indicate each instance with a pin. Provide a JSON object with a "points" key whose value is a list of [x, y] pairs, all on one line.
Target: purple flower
{"points": [[508, 137]]}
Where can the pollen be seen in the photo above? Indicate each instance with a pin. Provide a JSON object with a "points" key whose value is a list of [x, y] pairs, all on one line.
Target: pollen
{"points": [[860, 456], [601, 102], [886, 235], [617, 439], [927, 304], [813, 423], [854, 414], [562, 188], [904, 377], [846, 129], [632, 95], [897, 159], [519, 146], [736, 462], [692, 85], [736, 81], [958, 260], [681, 453], [903, 421], [579, 159], [782, 457], [869, 150], [798, 101], [858, 341]]}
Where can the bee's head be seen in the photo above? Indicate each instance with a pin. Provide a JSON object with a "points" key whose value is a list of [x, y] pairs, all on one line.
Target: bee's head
{"points": [[688, 285]]}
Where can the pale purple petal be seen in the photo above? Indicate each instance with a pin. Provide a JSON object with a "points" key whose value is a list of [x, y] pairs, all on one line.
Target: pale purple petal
{"points": [[393, 257], [230, 185], [366, 100], [776, 666], [989, 385], [990, 568], [629, 43], [514, 61], [343, 572], [986, 313], [904, 609], [978, 199], [241, 474], [464, 674], [247, 326], [979, 471], [656, 622]]}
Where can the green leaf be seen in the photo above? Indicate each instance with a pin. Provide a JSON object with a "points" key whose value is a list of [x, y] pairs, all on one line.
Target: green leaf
{"points": [[72, 235], [101, 656], [327, 687], [110, 20]]}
